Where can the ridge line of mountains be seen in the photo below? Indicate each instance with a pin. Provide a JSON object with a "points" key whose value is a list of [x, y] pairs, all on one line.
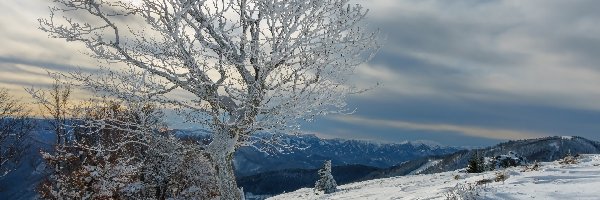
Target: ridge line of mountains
{"points": [[540, 149]]}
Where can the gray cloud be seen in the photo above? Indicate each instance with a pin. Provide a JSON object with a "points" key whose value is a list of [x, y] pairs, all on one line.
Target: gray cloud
{"points": [[49, 66], [27, 53], [539, 52], [476, 68]]}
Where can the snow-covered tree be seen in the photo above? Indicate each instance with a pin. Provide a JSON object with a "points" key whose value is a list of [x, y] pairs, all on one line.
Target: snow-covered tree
{"points": [[326, 183], [172, 169], [15, 127], [244, 65], [121, 149]]}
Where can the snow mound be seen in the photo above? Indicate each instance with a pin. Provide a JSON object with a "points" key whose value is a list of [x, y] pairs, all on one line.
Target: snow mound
{"points": [[567, 137], [551, 180]]}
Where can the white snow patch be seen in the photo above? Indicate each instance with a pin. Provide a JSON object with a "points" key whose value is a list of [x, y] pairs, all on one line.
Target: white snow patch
{"points": [[567, 137], [555, 145], [424, 167], [551, 181]]}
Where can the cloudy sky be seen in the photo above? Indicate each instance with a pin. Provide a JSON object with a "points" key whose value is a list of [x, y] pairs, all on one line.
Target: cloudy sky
{"points": [[460, 72]]}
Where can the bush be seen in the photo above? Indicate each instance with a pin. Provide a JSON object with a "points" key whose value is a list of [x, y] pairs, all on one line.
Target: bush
{"points": [[533, 167], [463, 192], [115, 151], [457, 177], [484, 181], [501, 176], [568, 160]]}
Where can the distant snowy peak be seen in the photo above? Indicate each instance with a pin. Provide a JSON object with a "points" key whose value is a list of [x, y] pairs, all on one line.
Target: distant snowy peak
{"points": [[428, 143]]}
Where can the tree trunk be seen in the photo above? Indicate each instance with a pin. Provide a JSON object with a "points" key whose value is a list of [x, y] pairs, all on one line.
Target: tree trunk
{"points": [[221, 151], [226, 178]]}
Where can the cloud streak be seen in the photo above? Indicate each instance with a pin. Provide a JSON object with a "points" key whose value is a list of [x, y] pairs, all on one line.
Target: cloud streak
{"points": [[441, 128]]}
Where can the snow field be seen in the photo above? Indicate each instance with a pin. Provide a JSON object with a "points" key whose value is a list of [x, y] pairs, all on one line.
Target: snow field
{"points": [[551, 181]]}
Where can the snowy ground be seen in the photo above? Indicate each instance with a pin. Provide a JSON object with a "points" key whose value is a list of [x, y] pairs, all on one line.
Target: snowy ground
{"points": [[551, 181]]}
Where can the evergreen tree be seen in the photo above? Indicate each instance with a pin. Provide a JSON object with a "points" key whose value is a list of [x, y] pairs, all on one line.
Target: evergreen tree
{"points": [[326, 183], [476, 164]]}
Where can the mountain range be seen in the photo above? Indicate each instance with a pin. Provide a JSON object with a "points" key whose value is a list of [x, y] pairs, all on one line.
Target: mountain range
{"points": [[540, 149], [292, 163], [310, 151]]}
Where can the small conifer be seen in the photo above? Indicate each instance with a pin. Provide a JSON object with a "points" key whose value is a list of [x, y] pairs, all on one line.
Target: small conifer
{"points": [[326, 183]]}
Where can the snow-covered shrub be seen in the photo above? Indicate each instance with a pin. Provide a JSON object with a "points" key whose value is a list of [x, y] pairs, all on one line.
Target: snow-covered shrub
{"points": [[93, 179], [501, 176], [484, 181], [568, 160], [535, 166], [96, 156], [463, 192], [123, 151], [173, 169], [457, 177], [326, 183], [503, 161]]}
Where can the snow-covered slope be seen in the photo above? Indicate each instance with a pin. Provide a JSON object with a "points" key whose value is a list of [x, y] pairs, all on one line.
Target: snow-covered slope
{"points": [[551, 181], [540, 149]]}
